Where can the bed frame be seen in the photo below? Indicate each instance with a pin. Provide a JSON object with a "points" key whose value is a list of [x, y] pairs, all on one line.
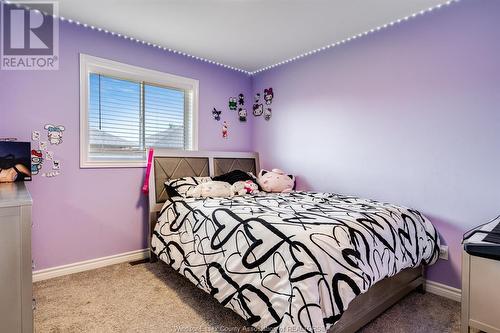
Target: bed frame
{"points": [[170, 164]]}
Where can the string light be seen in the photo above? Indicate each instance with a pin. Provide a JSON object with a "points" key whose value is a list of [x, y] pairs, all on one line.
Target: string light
{"points": [[170, 50], [286, 61], [351, 38]]}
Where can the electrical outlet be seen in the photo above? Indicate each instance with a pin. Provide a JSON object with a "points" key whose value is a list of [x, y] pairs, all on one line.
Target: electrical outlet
{"points": [[443, 252]]}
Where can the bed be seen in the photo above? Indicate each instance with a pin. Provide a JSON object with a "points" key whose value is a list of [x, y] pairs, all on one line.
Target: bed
{"points": [[300, 261]]}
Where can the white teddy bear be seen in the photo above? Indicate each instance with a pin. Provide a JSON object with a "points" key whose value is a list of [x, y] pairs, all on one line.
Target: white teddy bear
{"points": [[211, 189]]}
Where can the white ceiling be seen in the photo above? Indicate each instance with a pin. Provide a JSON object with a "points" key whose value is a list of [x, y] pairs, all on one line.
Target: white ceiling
{"points": [[247, 34]]}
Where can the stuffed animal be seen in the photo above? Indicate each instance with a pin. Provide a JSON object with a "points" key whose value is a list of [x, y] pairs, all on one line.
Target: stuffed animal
{"points": [[276, 181], [211, 189], [245, 187]]}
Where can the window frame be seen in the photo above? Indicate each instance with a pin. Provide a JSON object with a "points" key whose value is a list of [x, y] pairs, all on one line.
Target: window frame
{"points": [[90, 64]]}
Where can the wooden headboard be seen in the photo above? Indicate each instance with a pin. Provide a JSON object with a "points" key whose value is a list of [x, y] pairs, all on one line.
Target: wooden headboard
{"points": [[170, 164]]}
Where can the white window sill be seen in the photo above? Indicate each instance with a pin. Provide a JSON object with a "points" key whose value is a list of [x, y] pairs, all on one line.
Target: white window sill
{"points": [[112, 164]]}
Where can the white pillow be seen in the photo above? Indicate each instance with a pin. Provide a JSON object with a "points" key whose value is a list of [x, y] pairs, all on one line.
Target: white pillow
{"points": [[214, 189], [183, 185]]}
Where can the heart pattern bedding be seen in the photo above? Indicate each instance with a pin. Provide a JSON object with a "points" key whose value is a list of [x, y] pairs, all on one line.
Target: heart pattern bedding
{"points": [[291, 261]]}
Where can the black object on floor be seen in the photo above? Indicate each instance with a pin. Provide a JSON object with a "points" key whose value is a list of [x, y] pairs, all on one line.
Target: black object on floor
{"points": [[138, 262]]}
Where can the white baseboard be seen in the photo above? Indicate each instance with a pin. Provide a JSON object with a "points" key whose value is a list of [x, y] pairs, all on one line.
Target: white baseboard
{"points": [[443, 290], [49, 273], [87, 265]]}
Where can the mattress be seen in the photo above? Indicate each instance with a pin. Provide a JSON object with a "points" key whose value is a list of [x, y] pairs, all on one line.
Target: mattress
{"points": [[291, 261]]}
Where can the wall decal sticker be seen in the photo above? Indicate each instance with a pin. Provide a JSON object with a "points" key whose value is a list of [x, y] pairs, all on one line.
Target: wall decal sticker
{"points": [[268, 95], [56, 165], [242, 114], [54, 133], [49, 155], [51, 174], [225, 130], [36, 161], [42, 145], [35, 135], [241, 99], [268, 114], [216, 114], [232, 103], [258, 109]]}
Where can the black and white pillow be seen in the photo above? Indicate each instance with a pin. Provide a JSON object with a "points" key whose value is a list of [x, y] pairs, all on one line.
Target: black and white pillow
{"points": [[236, 176], [181, 186]]}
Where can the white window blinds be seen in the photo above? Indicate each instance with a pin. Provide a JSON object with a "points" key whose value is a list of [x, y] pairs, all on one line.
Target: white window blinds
{"points": [[125, 109], [127, 117]]}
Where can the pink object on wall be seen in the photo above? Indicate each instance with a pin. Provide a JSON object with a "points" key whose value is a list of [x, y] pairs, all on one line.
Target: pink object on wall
{"points": [[145, 187]]}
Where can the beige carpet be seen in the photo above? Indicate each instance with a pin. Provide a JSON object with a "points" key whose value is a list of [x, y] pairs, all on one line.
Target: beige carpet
{"points": [[154, 298]]}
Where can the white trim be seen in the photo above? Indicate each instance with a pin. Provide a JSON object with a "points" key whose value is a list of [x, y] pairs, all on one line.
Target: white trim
{"points": [[90, 64], [432, 287], [443, 290], [87, 265]]}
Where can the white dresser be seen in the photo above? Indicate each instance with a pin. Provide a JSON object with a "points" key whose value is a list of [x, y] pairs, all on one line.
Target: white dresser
{"points": [[16, 296], [480, 289]]}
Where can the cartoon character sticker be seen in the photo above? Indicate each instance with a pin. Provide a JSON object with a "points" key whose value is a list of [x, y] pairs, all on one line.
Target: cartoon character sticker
{"points": [[51, 174], [49, 155], [268, 96], [56, 165], [258, 109], [225, 132], [42, 145], [216, 114], [257, 98], [242, 114], [55, 133], [232, 104], [36, 161], [35, 136], [268, 114], [241, 99]]}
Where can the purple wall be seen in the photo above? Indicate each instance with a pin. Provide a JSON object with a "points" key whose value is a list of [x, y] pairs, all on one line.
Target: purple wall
{"points": [[409, 115], [76, 216]]}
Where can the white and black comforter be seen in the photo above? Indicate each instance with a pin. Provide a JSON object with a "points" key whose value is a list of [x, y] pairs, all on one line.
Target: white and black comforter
{"points": [[291, 262]]}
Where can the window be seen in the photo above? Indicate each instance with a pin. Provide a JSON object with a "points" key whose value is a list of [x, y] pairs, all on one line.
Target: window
{"points": [[127, 109]]}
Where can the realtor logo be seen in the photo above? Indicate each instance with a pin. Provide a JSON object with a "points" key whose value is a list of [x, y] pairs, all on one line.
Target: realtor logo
{"points": [[29, 36]]}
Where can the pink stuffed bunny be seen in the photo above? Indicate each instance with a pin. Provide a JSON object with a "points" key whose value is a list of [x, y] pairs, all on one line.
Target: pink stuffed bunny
{"points": [[275, 181], [245, 187]]}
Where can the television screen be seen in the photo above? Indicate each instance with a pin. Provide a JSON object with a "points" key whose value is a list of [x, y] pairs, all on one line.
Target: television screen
{"points": [[15, 161]]}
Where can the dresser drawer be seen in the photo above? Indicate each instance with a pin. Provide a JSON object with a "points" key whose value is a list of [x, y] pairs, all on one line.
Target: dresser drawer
{"points": [[10, 270], [16, 297], [484, 293]]}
